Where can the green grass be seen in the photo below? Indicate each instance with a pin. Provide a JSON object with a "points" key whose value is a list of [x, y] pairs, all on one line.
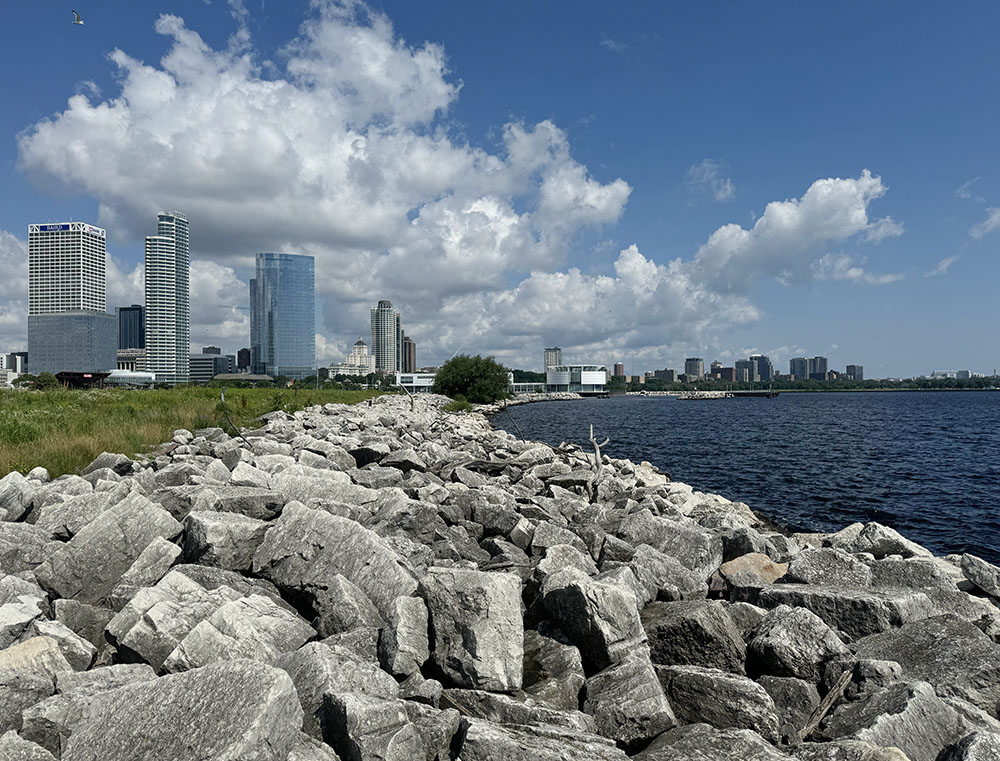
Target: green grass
{"points": [[64, 431]]}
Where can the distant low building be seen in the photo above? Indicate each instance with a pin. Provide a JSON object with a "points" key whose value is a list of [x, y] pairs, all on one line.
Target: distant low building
{"points": [[582, 379], [204, 367], [130, 379], [416, 383], [358, 362], [856, 372], [133, 360], [727, 374]]}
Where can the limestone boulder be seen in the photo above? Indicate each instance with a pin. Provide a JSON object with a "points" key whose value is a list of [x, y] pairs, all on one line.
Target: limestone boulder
{"points": [[600, 619], [976, 746], [726, 701], [694, 633], [89, 566], [906, 715], [792, 642], [319, 670], [249, 628], [702, 742], [224, 540], [478, 634], [234, 710], [553, 670], [24, 547], [485, 741], [15, 748], [403, 644], [628, 703], [984, 575], [306, 548], [952, 654], [821, 565]]}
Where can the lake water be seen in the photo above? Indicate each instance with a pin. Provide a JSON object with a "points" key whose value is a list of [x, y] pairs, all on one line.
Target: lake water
{"points": [[927, 463]]}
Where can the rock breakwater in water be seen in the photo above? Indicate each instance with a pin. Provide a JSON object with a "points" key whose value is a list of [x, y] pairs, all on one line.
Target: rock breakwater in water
{"points": [[393, 582]]}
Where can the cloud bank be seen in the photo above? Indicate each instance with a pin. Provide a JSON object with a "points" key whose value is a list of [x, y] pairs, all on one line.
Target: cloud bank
{"points": [[343, 148]]}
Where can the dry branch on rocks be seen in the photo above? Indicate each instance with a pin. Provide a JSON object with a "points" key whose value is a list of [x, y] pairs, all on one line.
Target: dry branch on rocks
{"points": [[389, 582]]}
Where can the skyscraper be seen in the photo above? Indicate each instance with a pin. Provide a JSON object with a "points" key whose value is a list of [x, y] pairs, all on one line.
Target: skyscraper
{"points": [[619, 369], [387, 337], [409, 355], [68, 327], [131, 327], [553, 357], [168, 305], [694, 368], [818, 368], [243, 359], [763, 366], [283, 316], [799, 368], [856, 372]]}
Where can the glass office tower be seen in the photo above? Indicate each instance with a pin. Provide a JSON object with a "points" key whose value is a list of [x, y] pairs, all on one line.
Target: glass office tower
{"points": [[283, 316]]}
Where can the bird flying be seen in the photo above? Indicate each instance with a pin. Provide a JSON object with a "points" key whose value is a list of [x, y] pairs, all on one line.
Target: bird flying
{"points": [[77, 20]]}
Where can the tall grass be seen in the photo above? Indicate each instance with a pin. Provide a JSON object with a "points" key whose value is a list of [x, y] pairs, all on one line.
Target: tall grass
{"points": [[63, 431]]}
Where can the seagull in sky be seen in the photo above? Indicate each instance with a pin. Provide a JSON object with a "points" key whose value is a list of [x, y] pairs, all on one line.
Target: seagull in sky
{"points": [[77, 20]]}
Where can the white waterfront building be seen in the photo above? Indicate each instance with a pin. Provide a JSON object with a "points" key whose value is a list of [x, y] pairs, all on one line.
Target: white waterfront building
{"points": [[358, 362], [583, 379], [168, 306]]}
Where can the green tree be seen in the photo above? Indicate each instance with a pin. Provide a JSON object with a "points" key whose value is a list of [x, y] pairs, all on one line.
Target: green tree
{"points": [[481, 380], [47, 381], [25, 379]]}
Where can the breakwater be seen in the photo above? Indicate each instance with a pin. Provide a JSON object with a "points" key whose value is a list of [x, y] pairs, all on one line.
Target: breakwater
{"points": [[392, 582]]}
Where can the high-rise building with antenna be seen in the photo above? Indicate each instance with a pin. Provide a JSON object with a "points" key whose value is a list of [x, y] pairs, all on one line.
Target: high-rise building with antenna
{"points": [[168, 299]]}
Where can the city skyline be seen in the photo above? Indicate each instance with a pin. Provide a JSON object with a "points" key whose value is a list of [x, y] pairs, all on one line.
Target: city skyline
{"points": [[502, 208]]}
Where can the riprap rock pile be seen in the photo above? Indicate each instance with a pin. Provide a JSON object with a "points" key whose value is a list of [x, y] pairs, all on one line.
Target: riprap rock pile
{"points": [[392, 582]]}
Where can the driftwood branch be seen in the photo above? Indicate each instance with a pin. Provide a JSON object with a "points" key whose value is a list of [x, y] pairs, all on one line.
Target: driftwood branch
{"points": [[835, 693], [599, 465]]}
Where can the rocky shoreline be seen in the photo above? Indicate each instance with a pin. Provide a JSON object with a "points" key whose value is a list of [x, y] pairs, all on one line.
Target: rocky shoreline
{"points": [[393, 582]]}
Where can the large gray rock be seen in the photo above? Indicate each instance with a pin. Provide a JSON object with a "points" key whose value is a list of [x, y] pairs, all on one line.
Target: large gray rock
{"points": [[726, 701], [984, 575], [507, 709], [906, 715], [856, 612], [694, 633], [361, 727], [701, 742], [876, 539], [154, 622], [37, 655], [151, 566], [66, 518], [319, 670], [601, 619], [346, 608], [403, 644], [306, 548], [792, 642], [19, 691], [89, 566], [79, 652], [16, 496], [820, 565], [627, 702], [847, 750], [225, 540], [24, 547], [86, 620], [794, 701], [665, 577], [308, 749], [235, 710], [14, 748], [485, 741], [553, 671], [251, 627], [699, 550], [478, 634], [16, 616], [953, 655], [104, 678], [976, 746]]}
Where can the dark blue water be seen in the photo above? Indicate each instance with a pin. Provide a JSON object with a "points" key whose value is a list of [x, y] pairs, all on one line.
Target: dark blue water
{"points": [[927, 463]]}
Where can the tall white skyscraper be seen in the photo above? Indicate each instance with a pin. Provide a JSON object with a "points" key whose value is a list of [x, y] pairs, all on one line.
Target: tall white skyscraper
{"points": [[66, 268], [168, 306], [387, 337], [68, 327]]}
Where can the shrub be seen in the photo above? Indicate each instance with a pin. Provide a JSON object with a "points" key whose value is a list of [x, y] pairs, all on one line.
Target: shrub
{"points": [[458, 404], [481, 380]]}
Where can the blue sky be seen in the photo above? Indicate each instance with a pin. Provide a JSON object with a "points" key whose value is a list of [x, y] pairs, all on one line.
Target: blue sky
{"points": [[639, 182]]}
